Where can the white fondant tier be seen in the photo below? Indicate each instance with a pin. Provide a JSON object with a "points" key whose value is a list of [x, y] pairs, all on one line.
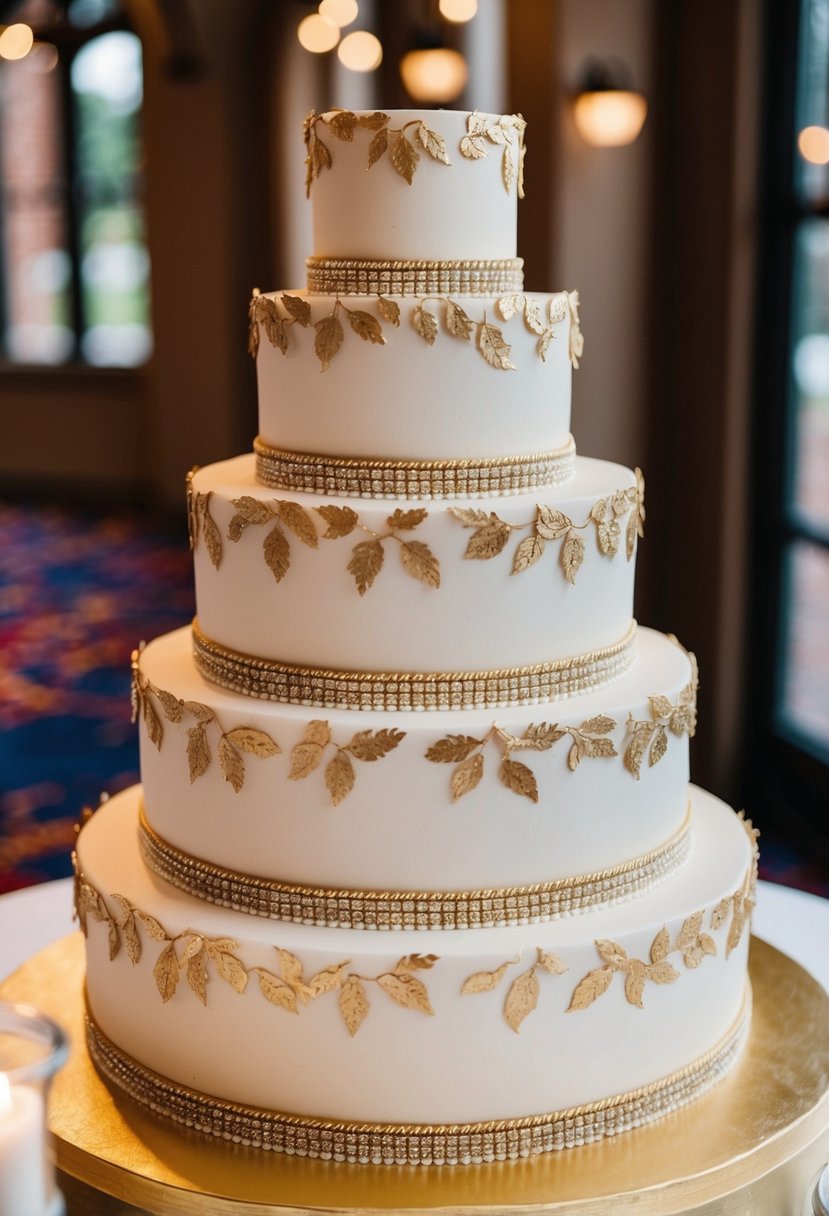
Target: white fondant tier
{"points": [[575, 808], [571, 1012], [278, 579], [396, 396], [457, 210]]}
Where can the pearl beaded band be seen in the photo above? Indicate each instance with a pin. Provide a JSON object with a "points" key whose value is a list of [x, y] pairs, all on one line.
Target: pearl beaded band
{"points": [[341, 276], [270, 680], [376, 478], [343, 909], [416, 1144]]}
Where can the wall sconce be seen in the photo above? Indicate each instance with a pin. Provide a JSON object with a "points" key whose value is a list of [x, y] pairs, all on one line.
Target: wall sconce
{"points": [[433, 73], [607, 112]]}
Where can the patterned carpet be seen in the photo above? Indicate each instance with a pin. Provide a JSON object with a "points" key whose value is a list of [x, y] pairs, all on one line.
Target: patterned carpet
{"points": [[78, 591]]}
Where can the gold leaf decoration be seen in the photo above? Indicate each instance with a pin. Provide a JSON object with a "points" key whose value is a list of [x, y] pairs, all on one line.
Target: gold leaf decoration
{"points": [[636, 521], [342, 125], [635, 750], [197, 975], [206, 527], [173, 708], [153, 927], [329, 339], [453, 748], [306, 755], [275, 991], [576, 336], [404, 156], [467, 776], [366, 563], [378, 146], [425, 324], [166, 973], [341, 521], [416, 962], [507, 169], [229, 969], [493, 347], [373, 122], [473, 147], [511, 305], [522, 998], [406, 990], [528, 553], [299, 521], [571, 555], [389, 310], [152, 722], [551, 963], [277, 553], [533, 318], [635, 983], [519, 778], [658, 747], [660, 946], [339, 777], [589, 989], [198, 752], [489, 539], [253, 342], [353, 1004], [407, 520], [298, 308], [231, 763], [458, 324], [551, 523], [253, 741], [366, 326], [420, 562], [484, 981], [327, 980], [434, 144], [372, 745]]}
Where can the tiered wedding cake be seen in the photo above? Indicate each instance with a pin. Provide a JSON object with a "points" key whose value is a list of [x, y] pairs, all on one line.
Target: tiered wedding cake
{"points": [[415, 873]]}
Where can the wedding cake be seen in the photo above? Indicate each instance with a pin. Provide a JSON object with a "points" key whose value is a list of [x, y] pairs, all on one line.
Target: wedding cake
{"points": [[415, 874]]}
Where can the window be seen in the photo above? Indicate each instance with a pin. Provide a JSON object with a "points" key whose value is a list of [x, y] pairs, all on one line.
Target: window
{"points": [[73, 257]]}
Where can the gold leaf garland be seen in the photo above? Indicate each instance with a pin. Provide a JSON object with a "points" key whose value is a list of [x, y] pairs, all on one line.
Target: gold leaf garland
{"points": [[651, 737], [194, 956], [508, 134], [200, 522], [492, 533], [232, 747], [403, 155], [366, 745]]}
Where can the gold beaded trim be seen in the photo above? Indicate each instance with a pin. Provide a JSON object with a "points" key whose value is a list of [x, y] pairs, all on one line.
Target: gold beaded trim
{"points": [[343, 276], [416, 1144], [270, 680], [376, 478], [344, 909]]}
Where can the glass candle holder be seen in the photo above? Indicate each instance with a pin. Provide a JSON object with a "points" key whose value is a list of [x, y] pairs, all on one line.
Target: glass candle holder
{"points": [[32, 1049]]}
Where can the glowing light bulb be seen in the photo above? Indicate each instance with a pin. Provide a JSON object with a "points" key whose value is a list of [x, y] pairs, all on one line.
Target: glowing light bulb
{"points": [[609, 118], [813, 144], [360, 51], [458, 10], [434, 75], [16, 41], [317, 34], [341, 12]]}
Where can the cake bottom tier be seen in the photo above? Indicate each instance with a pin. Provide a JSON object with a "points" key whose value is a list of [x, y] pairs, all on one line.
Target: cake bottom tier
{"points": [[623, 1013]]}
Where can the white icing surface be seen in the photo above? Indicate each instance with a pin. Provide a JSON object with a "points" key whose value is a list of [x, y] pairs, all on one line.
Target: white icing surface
{"points": [[462, 1063], [408, 400], [456, 211], [480, 617], [398, 828]]}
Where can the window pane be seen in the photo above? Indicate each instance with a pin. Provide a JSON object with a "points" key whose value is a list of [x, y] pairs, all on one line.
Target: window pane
{"points": [[37, 267], [812, 103], [810, 477], [805, 693], [114, 267]]}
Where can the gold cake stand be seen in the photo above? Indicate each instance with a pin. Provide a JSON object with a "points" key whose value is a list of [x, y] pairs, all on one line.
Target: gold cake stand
{"points": [[753, 1146]]}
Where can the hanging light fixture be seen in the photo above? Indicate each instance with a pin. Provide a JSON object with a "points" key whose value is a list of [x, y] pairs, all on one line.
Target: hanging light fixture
{"points": [[608, 113], [317, 34], [360, 51], [16, 41], [433, 73]]}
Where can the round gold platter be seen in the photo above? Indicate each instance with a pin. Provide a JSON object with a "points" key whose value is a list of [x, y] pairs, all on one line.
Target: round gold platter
{"points": [[754, 1145]]}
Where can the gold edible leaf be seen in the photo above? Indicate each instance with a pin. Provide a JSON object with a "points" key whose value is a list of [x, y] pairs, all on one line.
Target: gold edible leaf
{"points": [[378, 146], [473, 147], [608, 535], [353, 1004], [290, 967], [635, 750], [550, 523], [231, 763], [661, 707], [321, 157], [249, 510], [341, 521], [131, 938], [196, 972], [658, 747], [113, 938], [404, 156], [602, 724], [521, 999], [374, 744], [507, 168], [406, 990], [328, 339], [173, 708], [493, 347], [612, 953], [425, 324], [596, 749], [198, 752], [541, 737], [406, 520], [154, 929], [299, 521], [230, 970], [366, 326], [342, 125], [510, 305], [305, 756], [192, 944], [298, 308], [268, 315], [467, 776], [415, 962], [532, 316], [277, 553], [389, 310], [458, 324], [366, 563], [571, 555], [420, 562], [275, 991], [720, 913], [484, 981], [635, 983], [558, 308], [327, 980], [166, 973], [543, 344], [528, 553], [253, 741], [253, 341], [551, 963], [339, 777], [661, 945], [212, 536], [518, 778], [374, 121], [434, 144], [594, 984], [202, 713], [690, 929], [662, 972], [452, 749], [489, 540], [630, 536], [497, 134], [738, 922], [152, 722]]}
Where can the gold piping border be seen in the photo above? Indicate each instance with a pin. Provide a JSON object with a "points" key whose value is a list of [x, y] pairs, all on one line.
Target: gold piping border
{"points": [[341, 908], [417, 1144], [270, 680], [379, 478], [478, 277]]}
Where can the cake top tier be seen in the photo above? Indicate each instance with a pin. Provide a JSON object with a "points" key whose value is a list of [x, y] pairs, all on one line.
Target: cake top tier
{"points": [[412, 185]]}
